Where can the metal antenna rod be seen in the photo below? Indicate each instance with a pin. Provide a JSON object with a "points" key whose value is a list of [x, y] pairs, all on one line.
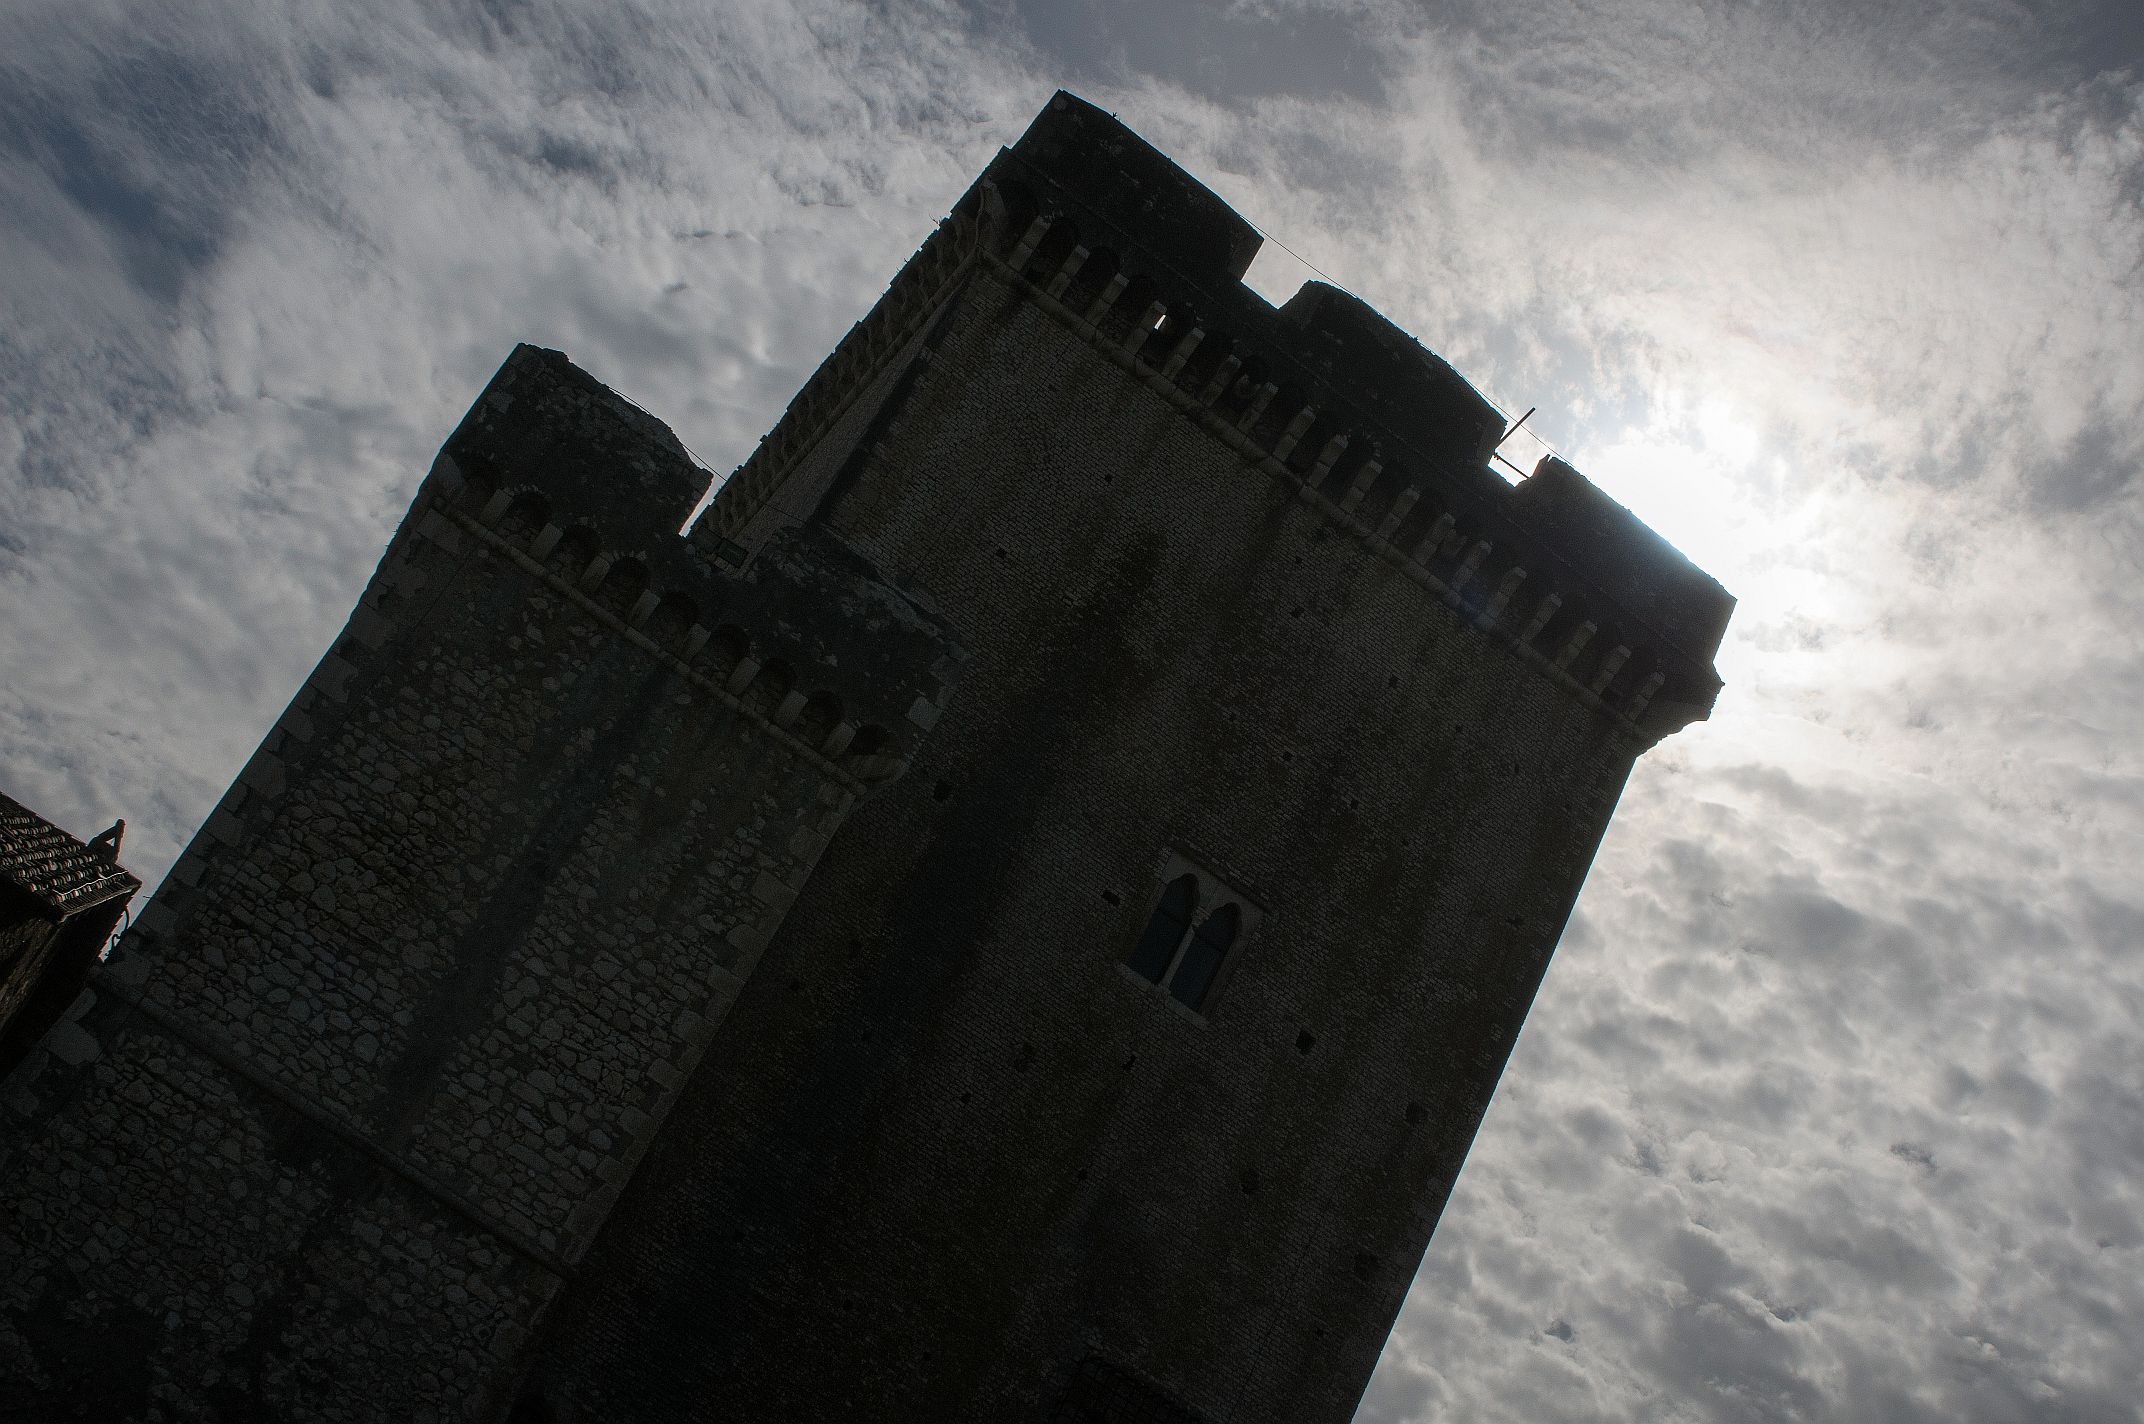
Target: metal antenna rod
{"points": [[1507, 435]]}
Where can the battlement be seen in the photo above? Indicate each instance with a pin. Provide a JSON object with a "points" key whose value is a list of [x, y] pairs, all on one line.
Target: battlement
{"points": [[1121, 178], [579, 484], [1374, 428]]}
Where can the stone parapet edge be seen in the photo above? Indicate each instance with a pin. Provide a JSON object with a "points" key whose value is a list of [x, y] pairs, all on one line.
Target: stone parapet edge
{"points": [[880, 337], [1269, 463], [529, 565]]}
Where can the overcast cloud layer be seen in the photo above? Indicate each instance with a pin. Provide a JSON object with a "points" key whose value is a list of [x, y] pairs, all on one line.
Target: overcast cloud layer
{"points": [[1832, 1106]]}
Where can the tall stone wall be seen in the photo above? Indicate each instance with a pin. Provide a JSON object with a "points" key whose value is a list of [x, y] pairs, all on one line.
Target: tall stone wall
{"points": [[328, 1134], [951, 1155]]}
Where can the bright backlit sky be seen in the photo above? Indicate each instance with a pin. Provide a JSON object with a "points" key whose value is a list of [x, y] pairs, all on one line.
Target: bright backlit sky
{"points": [[1832, 1105]]}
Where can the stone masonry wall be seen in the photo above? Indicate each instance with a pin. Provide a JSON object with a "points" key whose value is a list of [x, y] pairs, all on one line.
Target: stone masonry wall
{"points": [[183, 1246], [1412, 804], [944, 1124], [793, 464], [347, 1108]]}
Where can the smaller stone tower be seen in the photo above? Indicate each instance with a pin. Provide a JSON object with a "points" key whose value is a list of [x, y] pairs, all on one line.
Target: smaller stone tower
{"points": [[328, 1133]]}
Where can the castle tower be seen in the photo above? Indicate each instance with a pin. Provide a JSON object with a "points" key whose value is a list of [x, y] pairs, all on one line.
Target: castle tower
{"points": [[328, 1133], [1018, 917], [1130, 1044]]}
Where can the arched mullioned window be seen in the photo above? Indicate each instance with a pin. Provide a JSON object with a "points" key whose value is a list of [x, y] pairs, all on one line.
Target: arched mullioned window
{"points": [[1201, 959], [1195, 924], [1156, 953]]}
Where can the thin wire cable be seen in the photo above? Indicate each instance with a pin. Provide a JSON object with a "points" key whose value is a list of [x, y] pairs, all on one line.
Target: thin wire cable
{"points": [[1334, 282]]}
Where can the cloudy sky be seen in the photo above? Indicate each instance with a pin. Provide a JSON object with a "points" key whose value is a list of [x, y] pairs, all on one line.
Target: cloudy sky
{"points": [[1832, 1106]]}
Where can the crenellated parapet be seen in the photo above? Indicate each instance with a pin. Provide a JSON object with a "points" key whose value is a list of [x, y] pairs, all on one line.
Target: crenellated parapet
{"points": [[807, 639], [1382, 436]]}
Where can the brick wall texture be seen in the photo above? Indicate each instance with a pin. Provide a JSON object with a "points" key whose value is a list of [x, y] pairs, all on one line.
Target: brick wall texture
{"points": [[520, 1035]]}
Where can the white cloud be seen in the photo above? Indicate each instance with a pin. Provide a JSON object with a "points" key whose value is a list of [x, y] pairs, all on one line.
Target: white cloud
{"points": [[1828, 1107]]}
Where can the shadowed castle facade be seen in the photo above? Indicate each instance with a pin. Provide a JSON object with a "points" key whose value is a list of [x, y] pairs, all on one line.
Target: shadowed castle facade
{"points": [[1017, 915]]}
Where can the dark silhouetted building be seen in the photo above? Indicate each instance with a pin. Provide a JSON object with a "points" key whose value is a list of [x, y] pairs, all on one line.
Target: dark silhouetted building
{"points": [[60, 900], [1017, 915]]}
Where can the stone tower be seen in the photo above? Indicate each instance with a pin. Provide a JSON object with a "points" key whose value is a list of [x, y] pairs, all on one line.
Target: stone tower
{"points": [[1018, 916]]}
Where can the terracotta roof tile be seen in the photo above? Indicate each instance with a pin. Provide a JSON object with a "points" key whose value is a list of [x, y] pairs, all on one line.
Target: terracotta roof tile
{"points": [[53, 867]]}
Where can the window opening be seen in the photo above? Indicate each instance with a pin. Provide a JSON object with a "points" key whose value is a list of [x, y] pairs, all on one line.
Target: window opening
{"points": [[1202, 958], [1165, 931], [1188, 938]]}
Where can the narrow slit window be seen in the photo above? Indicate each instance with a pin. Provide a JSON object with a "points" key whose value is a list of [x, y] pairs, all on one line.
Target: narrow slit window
{"points": [[1166, 930], [1196, 971]]}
